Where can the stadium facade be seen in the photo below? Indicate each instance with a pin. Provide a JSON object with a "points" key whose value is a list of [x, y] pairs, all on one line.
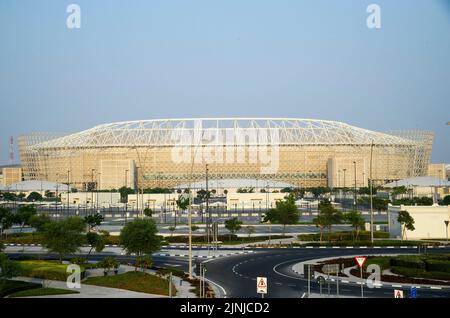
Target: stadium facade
{"points": [[173, 152]]}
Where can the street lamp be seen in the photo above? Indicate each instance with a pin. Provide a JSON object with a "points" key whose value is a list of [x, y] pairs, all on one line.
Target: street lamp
{"points": [[92, 189], [68, 190], [354, 172], [344, 175], [446, 230]]}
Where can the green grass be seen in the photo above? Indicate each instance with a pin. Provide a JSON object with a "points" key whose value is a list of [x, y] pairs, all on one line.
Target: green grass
{"points": [[51, 270], [134, 281], [429, 266], [11, 286], [43, 292]]}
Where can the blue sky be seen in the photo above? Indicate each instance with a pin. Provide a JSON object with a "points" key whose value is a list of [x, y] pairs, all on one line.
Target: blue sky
{"points": [[226, 58]]}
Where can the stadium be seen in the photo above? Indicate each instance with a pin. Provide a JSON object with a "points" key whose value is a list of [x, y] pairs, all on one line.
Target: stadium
{"points": [[174, 152]]}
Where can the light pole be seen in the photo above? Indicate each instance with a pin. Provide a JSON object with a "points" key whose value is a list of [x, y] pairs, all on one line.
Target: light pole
{"points": [[91, 189], [354, 172], [208, 215], [68, 190], [371, 194], [344, 175], [446, 230]]}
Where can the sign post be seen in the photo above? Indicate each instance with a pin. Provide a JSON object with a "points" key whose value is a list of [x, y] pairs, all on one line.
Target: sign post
{"points": [[413, 292], [398, 293], [360, 260], [261, 286]]}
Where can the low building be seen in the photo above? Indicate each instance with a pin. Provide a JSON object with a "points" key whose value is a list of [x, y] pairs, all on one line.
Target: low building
{"points": [[437, 170], [10, 174], [429, 221], [39, 186], [154, 201], [422, 187], [91, 198], [253, 201]]}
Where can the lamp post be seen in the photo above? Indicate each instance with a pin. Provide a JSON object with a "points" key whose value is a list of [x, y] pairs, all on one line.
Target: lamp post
{"points": [[91, 189], [354, 172], [371, 194], [68, 190], [97, 188], [446, 229], [344, 175], [208, 215]]}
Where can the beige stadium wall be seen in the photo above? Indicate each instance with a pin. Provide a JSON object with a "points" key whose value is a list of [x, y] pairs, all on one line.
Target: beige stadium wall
{"points": [[308, 166]]}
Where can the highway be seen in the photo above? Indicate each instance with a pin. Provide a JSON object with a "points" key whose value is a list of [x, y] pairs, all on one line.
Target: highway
{"points": [[237, 274]]}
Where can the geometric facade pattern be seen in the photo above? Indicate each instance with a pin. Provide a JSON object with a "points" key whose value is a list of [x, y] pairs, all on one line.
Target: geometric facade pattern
{"points": [[170, 152]]}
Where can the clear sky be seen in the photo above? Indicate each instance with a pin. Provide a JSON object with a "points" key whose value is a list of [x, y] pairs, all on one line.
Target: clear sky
{"points": [[226, 58]]}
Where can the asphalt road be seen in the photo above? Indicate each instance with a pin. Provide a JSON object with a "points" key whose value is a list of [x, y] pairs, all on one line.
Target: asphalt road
{"points": [[158, 261], [237, 274]]}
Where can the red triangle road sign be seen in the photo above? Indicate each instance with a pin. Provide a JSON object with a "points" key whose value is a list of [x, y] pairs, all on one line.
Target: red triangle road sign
{"points": [[360, 260], [262, 283]]}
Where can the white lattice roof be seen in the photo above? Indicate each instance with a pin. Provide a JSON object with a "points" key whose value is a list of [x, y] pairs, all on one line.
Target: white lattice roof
{"points": [[161, 132]]}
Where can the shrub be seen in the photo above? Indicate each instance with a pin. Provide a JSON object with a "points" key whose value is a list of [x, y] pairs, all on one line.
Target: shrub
{"points": [[433, 265], [408, 261]]}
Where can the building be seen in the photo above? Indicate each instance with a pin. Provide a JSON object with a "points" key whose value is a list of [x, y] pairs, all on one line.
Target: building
{"points": [[173, 152], [253, 201], [422, 187], [10, 174], [154, 201], [437, 170], [39, 186], [429, 221], [91, 198]]}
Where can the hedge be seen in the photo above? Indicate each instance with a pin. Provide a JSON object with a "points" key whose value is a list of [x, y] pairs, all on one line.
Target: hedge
{"points": [[342, 236], [433, 265], [408, 261]]}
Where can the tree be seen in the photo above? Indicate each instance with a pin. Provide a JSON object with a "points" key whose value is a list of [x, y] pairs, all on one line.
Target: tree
{"points": [[250, 230], [6, 220], [140, 237], [8, 269], [34, 196], [328, 215], [148, 212], [24, 214], [107, 264], [194, 228], [93, 220], [182, 204], [124, 192], [38, 222], [446, 200], [406, 221], [355, 219], [64, 236], [145, 262], [233, 225], [8, 196], [49, 194], [96, 241], [321, 222], [172, 229], [285, 212]]}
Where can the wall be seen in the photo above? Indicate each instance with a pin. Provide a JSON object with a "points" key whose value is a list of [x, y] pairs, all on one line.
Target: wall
{"points": [[429, 221]]}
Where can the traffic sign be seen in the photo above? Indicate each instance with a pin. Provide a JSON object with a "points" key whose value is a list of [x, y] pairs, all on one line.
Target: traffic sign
{"points": [[261, 285], [331, 268], [360, 260], [398, 293], [413, 292]]}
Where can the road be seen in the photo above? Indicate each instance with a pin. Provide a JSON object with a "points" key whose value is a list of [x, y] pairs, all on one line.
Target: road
{"points": [[237, 274]]}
